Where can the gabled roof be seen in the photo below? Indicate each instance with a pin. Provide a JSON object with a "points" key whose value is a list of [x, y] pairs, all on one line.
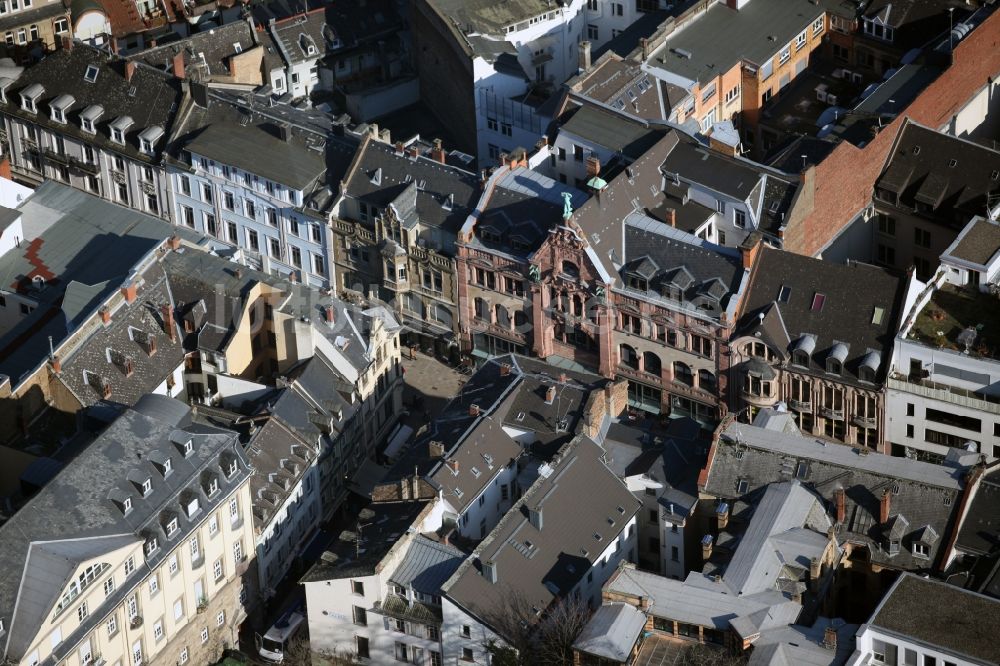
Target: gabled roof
{"points": [[436, 182], [83, 501], [209, 52], [823, 301], [613, 131], [977, 244], [150, 97], [427, 565], [304, 37], [471, 467], [612, 632], [925, 494], [584, 508]]}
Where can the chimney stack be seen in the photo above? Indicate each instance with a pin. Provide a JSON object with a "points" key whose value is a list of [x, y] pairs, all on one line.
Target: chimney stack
{"points": [[452, 465], [884, 506], [67, 43], [105, 315], [167, 313], [840, 498], [330, 315], [645, 48], [722, 515], [550, 395], [504, 369], [56, 364], [129, 70], [583, 56], [815, 568], [436, 449], [151, 346], [177, 65], [645, 603], [473, 410], [830, 638], [490, 570], [437, 153], [706, 547], [593, 167], [399, 147], [129, 292], [672, 217], [174, 242]]}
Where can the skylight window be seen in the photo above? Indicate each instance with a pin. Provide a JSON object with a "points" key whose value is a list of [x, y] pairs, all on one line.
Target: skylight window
{"points": [[952, 163], [90, 75], [878, 315], [818, 301], [784, 294]]}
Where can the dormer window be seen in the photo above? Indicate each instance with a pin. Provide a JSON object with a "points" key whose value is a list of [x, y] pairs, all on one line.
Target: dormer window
{"points": [[58, 116], [171, 527], [866, 374], [28, 104], [231, 468], [91, 74], [89, 116], [147, 486], [800, 358], [186, 448], [148, 138], [193, 506], [117, 135], [126, 505], [833, 366], [167, 466], [213, 486], [119, 127], [150, 546]]}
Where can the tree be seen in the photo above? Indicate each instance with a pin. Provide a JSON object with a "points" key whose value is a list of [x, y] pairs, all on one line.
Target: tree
{"points": [[700, 654], [530, 638]]}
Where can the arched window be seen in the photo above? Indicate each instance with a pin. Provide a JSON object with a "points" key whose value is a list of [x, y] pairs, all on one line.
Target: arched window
{"points": [[706, 381], [570, 269], [800, 358], [503, 317], [683, 374], [651, 363], [628, 356], [482, 309], [520, 319], [577, 306]]}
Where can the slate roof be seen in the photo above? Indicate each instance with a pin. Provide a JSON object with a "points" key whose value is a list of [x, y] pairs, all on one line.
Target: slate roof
{"points": [[706, 274], [80, 503], [296, 35], [703, 602], [919, 170], [426, 565], [937, 614], [611, 632], [617, 133], [387, 523], [579, 498], [980, 531], [923, 493], [84, 248], [488, 17], [723, 37], [521, 207], [847, 315], [150, 98], [481, 454], [280, 458], [621, 84], [136, 333], [208, 52], [978, 243], [803, 646], [380, 174]]}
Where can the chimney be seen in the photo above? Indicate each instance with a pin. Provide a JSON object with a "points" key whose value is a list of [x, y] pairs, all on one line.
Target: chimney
{"points": [[5, 169], [722, 515], [490, 570], [56, 364], [436, 449], [177, 65], [151, 346], [473, 410], [583, 52], [129, 70], [504, 369], [129, 292], [672, 217], [330, 315], [749, 250], [437, 153], [535, 517], [815, 568], [830, 638], [840, 499], [67, 43], [884, 506], [452, 465], [167, 313], [593, 167], [399, 147], [105, 315], [106, 390], [645, 603], [238, 273], [645, 48], [706, 547], [563, 378], [174, 242], [415, 485], [129, 367], [550, 395], [284, 132]]}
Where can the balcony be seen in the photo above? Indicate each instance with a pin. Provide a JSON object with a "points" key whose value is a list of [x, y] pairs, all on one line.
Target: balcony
{"points": [[831, 413], [57, 157], [135, 622], [800, 405], [85, 167], [945, 393], [868, 422], [758, 399], [639, 375]]}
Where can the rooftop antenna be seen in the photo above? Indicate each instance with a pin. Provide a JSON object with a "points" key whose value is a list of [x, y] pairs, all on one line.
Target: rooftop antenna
{"points": [[52, 350], [804, 158], [357, 547]]}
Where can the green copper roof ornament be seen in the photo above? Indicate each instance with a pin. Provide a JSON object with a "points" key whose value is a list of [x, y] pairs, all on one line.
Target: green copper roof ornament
{"points": [[597, 183]]}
